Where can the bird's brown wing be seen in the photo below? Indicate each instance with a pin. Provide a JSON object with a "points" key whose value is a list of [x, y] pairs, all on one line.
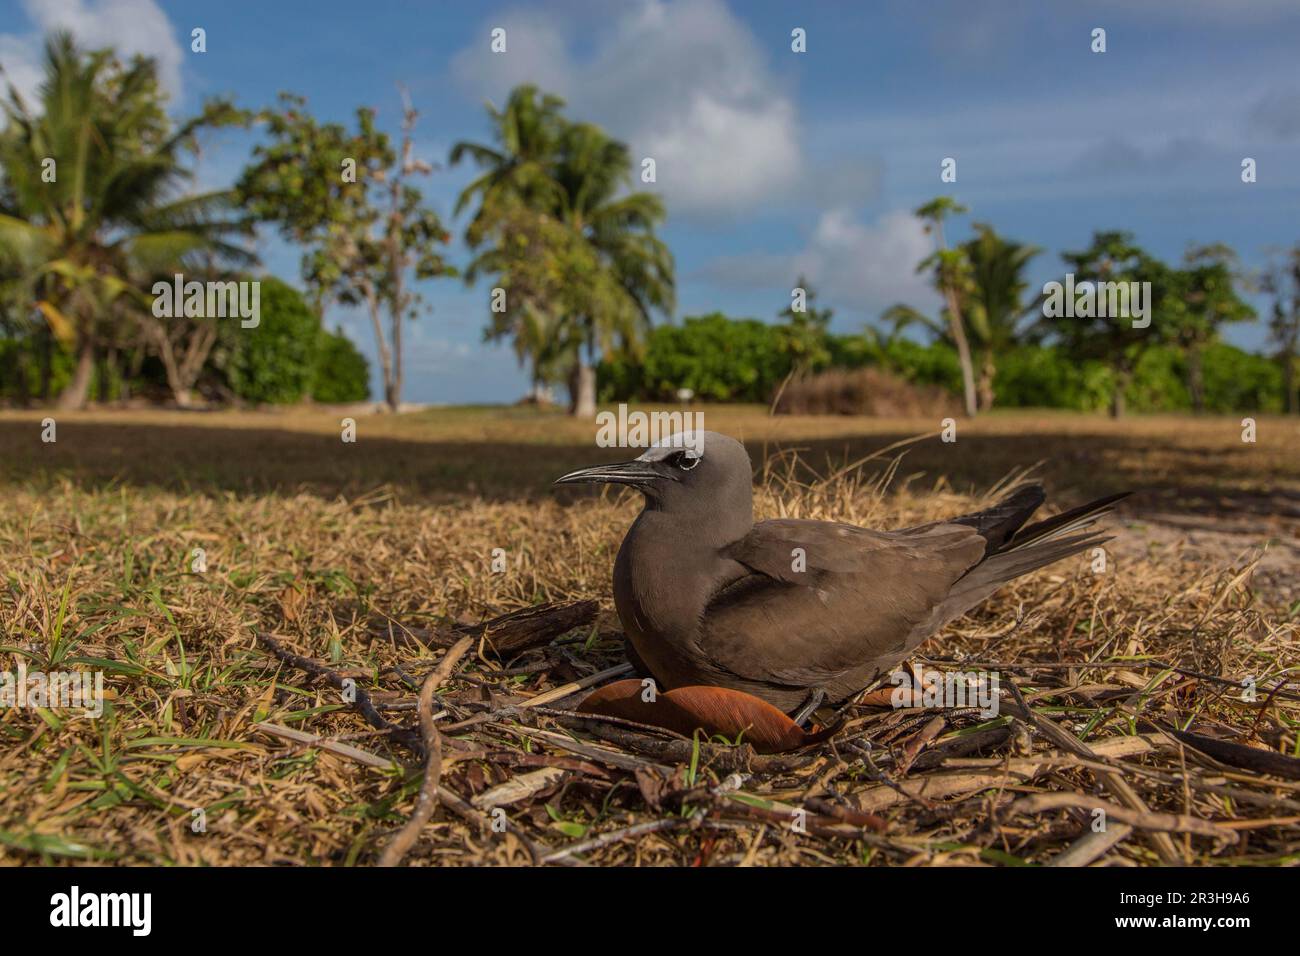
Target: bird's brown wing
{"points": [[823, 600]]}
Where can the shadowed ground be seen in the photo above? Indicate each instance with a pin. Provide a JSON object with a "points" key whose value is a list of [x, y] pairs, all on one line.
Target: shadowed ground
{"points": [[1195, 465]]}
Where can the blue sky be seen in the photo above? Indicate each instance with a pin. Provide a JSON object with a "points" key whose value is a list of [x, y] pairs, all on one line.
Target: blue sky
{"points": [[773, 163]]}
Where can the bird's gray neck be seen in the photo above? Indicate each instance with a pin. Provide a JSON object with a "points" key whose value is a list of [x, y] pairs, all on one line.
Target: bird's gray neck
{"points": [[704, 527]]}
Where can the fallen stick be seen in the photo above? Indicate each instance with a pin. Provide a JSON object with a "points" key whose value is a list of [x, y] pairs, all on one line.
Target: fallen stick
{"points": [[571, 688], [1142, 820], [612, 758], [617, 836], [1239, 755], [529, 627], [1091, 846], [936, 786], [362, 704], [427, 801], [323, 743], [1110, 779]]}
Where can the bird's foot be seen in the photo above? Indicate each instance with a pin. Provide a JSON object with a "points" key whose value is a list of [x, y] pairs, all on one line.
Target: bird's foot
{"points": [[815, 698]]}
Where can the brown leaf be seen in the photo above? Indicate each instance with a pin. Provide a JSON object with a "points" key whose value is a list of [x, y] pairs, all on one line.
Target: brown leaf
{"points": [[652, 785], [291, 603], [715, 710]]}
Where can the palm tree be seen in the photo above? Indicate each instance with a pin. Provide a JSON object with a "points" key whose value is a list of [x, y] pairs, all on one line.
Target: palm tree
{"points": [[950, 278], [804, 335], [579, 252], [633, 269], [94, 211], [986, 276], [520, 168], [532, 257], [516, 193], [995, 304]]}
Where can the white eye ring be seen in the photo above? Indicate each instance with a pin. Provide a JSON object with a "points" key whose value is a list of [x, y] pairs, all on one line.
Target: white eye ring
{"points": [[684, 461]]}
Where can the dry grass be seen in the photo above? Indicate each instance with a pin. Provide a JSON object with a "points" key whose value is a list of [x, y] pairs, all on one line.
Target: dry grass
{"points": [[365, 578]]}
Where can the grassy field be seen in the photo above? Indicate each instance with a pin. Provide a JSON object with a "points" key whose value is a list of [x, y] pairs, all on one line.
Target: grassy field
{"points": [[373, 561]]}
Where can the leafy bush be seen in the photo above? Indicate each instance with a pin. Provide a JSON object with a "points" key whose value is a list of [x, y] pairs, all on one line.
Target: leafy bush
{"points": [[342, 373], [1239, 381], [1159, 382], [20, 367], [275, 362], [720, 359], [933, 364], [1046, 377], [741, 360]]}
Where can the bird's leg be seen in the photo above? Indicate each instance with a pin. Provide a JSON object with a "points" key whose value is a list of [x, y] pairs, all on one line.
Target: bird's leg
{"points": [[815, 698]]}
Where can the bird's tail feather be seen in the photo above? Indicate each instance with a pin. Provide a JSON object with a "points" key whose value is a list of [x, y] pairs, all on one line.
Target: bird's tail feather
{"points": [[1076, 519], [1000, 523], [1034, 547]]}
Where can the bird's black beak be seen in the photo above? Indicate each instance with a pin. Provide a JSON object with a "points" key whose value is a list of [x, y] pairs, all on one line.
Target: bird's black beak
{"points": [[636, 473]]}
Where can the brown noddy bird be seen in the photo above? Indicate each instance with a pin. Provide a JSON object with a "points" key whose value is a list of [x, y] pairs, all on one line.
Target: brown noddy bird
{"points": [[796, 611]]}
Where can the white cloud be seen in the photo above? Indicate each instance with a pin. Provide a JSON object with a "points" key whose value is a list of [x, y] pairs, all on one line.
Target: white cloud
{"points": [[682, 81], [130, 26], [864, 267]]}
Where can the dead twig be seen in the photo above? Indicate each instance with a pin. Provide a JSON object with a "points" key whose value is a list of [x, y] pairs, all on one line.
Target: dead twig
{"points": [[427, 801], [1142, 820]]}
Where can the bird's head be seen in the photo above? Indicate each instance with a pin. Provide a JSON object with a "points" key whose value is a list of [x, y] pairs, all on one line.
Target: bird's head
{"points": [[686, 472]]}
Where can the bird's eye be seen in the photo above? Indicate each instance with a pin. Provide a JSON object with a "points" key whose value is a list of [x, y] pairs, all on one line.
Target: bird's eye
{"points": [[684, 461]]}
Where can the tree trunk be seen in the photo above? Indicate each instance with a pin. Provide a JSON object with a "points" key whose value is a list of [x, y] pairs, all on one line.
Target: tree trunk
{"points": [[583, 391], [987, 372], [963, 355], [538, 392], [183, 372], [394, 389], [47, 362], [1289, 383], [1196, 379], [22, 386], [74, 396], [1117, 397], [957, 329]]}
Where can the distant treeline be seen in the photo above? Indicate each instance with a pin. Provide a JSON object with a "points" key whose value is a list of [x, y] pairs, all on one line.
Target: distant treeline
{"points": [[287, 358], [96, 209], [746, 360]]}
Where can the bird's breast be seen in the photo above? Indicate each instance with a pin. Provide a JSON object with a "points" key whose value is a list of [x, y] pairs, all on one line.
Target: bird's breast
{"points": [[660, 596]]}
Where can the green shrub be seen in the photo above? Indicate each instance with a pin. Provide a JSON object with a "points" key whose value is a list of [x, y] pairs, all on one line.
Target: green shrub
{"points": [[275, 362], [1045, 377], [1237, 381], [933, 364], [20, 367], [1159, 382], [720, 359], [740, 360], [342, 373]]}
